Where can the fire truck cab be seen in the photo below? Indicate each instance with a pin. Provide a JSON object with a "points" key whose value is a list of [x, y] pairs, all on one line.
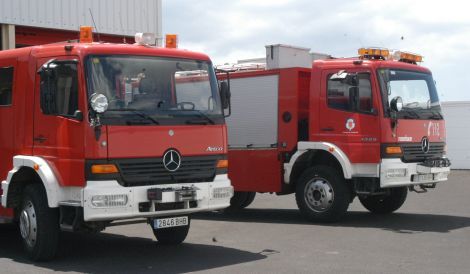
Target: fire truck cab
{"points": [[369, 127], [96, 135]]}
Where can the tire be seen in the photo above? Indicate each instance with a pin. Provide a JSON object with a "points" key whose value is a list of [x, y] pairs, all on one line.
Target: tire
{"points": [[322, 194], [172, 235], [385, 204], [39, 224], [249, 199], [240, 200]]}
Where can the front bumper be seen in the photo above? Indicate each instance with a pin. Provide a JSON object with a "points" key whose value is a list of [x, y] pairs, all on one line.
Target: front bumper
{"points": [[394, 173], [207, 196]]}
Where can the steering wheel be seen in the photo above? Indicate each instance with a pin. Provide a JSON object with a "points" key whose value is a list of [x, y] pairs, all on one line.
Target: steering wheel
{"points": [[186, 106]]}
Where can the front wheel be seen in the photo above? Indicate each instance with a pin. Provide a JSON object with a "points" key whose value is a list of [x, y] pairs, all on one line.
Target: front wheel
{"points": [[172, 235], [385, 204], [39, 224], [249, 199], [322, 194], [240, 200]]}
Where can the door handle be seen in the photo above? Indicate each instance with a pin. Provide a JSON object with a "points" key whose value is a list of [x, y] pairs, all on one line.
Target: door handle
{"points": [[40, 139], [327, 129]]}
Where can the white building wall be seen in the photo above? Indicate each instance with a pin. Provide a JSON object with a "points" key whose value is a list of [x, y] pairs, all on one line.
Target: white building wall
{"points": [[120, 17], [457, 116]]}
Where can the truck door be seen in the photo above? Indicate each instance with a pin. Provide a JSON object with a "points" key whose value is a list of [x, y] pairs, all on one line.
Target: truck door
{"points": [[7, 124], [7, 114], [348, 116], [58, 134]]}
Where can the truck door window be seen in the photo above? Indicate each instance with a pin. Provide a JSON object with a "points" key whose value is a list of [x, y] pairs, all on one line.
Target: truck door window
{"points": [[6, 85], [59, 90], [343, 96]]}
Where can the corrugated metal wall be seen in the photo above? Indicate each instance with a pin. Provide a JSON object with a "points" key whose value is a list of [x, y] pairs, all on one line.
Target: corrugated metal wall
{"points": [[458, 131], [121, 17]]}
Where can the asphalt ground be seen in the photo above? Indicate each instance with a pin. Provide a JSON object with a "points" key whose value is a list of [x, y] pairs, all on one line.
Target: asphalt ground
{"points": [[429, 234]]}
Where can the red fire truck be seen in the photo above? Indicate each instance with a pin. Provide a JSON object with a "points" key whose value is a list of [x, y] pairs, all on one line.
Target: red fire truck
{"points": [[369, 126], [96, 135]]}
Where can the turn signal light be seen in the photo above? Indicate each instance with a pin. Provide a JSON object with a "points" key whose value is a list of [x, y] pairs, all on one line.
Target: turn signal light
{"points": [[104, 169], [222, 164], [393, 150]]}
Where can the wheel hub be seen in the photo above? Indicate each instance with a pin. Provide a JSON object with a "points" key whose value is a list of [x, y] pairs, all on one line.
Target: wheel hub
{"points": [[319, 194], [28, 224]]}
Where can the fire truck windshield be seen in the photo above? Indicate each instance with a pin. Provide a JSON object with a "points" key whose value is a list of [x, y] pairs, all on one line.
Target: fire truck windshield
{"points": [[143, 90], [417, 90]]}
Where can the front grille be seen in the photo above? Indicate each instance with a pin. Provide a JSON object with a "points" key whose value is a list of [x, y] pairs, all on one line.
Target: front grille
{"points": [[413, 152], [138, 172]]}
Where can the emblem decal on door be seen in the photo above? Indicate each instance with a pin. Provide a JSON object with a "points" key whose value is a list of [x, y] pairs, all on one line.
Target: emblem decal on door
{"points": [[350, 124]]}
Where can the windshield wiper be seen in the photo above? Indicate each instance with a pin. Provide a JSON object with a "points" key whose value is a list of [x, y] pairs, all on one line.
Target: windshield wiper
{"points": [[436, 115], [412, 105], [138, 113], [201, 115], [409, 113]]}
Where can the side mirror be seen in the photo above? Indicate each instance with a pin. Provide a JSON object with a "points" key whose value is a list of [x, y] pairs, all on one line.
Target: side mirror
{"points": [[99, 102], [352, 79], [225, 95], [396, 104], [78, 115]]}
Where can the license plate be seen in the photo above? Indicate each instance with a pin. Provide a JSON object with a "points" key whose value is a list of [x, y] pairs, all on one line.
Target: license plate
{"points": [[170, 222], [423, 177]]}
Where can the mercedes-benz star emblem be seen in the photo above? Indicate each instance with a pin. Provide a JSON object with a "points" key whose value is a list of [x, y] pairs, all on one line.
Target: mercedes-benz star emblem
{"points": [[172, 160], [425, 145]]}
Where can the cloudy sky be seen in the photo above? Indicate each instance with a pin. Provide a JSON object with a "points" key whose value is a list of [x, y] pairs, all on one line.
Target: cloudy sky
{"points": [[239, 29]]}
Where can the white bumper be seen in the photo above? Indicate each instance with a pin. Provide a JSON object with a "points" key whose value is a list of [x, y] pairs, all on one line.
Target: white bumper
{"points": [[207, 194], [394, 172]]}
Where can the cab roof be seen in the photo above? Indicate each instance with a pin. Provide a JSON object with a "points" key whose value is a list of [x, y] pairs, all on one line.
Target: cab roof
{"points": [[84, 49], [345, 63]]}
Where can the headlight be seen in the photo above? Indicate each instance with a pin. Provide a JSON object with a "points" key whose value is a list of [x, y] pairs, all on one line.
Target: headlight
{"points": [[396, 172], [109, 200], [222, 192]]}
